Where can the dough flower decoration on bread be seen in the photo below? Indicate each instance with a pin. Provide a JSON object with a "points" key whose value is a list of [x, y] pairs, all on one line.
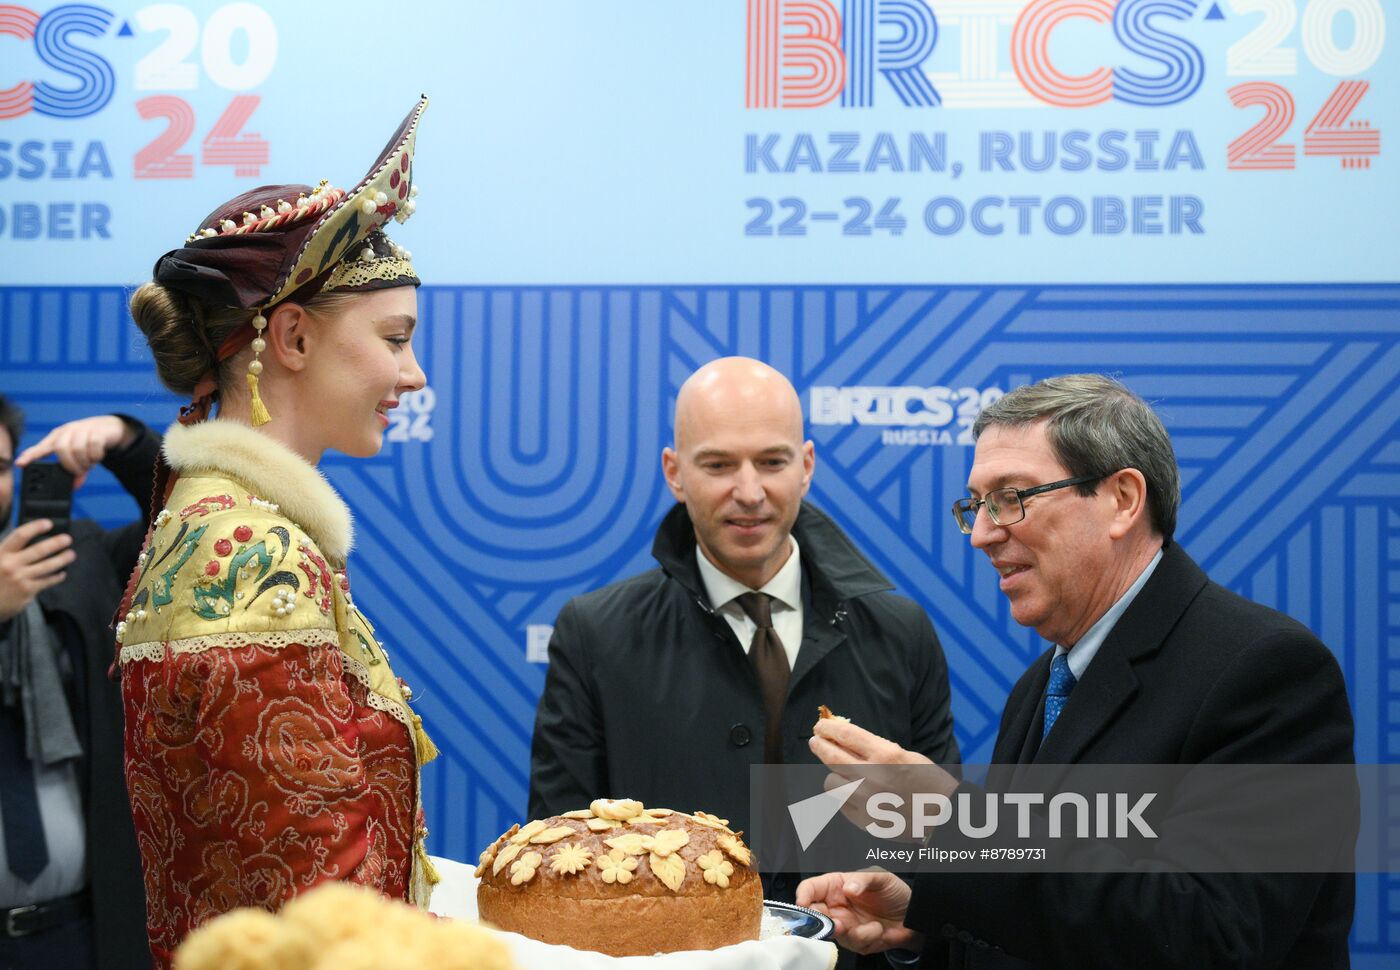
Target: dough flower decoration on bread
{"points": [[670, 869], [737, 849], [487, 855], [523, 869], [661, 844], [570, 859], [717, 870], [705, 818], [617, 866], [632, 843], [668, 841], [505, 856], [623, 879], [527, 833], [550, 836], [620, 810]]}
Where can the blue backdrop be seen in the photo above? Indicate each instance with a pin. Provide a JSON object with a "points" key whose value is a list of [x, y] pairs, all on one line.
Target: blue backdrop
{"points": [[530, 472]]}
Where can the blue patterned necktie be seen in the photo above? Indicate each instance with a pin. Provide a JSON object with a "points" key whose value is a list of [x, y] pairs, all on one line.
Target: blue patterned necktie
{"points": [[1057, 693]]}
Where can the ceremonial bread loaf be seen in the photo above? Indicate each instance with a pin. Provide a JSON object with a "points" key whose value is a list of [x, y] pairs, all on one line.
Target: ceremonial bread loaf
{"points": [[623, 880]]}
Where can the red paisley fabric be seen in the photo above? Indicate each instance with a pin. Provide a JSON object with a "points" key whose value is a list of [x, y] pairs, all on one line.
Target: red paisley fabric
{"points": [[257, 773]]}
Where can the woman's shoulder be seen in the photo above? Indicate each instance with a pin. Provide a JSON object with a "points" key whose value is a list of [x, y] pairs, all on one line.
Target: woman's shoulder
{"points": [[224, 457], [224, 563]]}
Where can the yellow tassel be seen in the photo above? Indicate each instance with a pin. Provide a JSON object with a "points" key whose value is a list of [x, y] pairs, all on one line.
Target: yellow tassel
{"points": [[259, 410], [427, 751], [430, 872]]}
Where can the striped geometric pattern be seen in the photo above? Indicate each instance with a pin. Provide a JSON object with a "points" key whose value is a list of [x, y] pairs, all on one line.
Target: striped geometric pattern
{"points": [[1333, 133], [981, 29], [894, 37], [542, 480]]}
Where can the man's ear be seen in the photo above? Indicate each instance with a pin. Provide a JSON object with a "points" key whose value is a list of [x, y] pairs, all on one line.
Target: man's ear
{"points": [[809, 464], [671, 468], [1128, 490], [286, 336]]}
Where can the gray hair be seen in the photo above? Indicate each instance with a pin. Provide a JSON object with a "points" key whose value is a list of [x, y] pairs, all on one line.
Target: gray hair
{"points": [[1096, 426]]}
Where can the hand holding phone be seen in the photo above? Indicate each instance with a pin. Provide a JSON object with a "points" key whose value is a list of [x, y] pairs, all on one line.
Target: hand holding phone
{"points": [[30, 564]]}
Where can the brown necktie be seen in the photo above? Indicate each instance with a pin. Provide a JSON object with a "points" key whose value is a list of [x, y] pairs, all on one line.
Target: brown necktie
{"points": [[771, 664]]}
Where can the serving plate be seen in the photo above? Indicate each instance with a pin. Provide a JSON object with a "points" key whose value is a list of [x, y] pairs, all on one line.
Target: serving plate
{"points": [[788, 919]]}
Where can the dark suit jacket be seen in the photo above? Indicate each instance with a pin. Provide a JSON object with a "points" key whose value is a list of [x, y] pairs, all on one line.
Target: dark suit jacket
{"points": [[79, 611], [649, 694], [1191, 674]]}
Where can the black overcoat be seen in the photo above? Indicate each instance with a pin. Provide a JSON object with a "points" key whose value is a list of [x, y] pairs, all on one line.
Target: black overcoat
{"points": [[650, 696], [79, 611]]}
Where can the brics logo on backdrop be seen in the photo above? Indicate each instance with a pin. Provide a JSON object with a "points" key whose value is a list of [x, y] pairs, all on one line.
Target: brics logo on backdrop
{"points": [[804, 53], [908, 415], [809, 53], [179, 49], [55, 37]]}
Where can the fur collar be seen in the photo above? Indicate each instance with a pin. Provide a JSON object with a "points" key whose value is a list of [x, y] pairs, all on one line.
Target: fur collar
{"points": [[272, 471]]}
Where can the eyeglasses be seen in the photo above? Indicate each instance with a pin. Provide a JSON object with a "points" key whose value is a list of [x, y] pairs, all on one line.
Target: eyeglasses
{"points": [[1007, 506]]}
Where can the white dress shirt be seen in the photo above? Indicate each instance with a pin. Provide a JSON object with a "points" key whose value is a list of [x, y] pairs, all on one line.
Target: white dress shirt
{"points": [[785, 588]]}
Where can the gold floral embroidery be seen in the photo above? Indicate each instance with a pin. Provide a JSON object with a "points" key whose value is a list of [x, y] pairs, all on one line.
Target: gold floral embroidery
{"points": [[717, 870], [523, 869], [569, 859], [617, 866]]}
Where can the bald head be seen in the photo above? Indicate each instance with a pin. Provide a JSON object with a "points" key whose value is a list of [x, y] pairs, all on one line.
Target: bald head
{"points": [[736, 389], [740, 465]]}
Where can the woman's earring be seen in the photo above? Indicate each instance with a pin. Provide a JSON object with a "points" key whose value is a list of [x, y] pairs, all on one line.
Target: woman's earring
{"points": [[259, 410]]}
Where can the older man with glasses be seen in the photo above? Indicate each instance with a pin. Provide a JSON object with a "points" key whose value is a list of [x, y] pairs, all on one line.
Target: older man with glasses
{"points": [[1073, 497]]}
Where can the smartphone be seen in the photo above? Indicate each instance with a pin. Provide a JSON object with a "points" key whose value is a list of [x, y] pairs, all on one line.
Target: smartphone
{"points": [[46, 492]]}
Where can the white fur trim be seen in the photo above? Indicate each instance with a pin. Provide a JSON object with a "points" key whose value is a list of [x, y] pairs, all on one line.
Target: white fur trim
{"points": [[272, 471]]}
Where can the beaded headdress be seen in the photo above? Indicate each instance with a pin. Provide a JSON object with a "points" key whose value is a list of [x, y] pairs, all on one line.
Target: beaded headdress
{"points": [[284, 242]]}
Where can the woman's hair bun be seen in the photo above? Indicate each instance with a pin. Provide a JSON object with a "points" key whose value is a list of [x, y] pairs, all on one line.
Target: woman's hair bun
{"points": [[182, 333]]}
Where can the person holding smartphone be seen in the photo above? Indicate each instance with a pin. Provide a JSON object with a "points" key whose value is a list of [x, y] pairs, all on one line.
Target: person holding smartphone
{"points": [[69, 869]]}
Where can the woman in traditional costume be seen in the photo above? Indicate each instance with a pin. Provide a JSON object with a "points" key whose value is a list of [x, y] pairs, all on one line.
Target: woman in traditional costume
{"points": [[269, 746]]}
